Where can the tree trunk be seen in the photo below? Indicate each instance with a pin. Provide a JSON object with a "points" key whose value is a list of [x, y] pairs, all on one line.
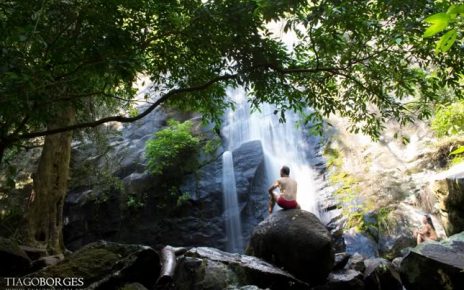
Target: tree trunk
{"points": [[45, 216], [2, 151]]}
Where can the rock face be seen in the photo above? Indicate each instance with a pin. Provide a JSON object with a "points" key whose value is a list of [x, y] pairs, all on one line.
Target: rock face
{"points": [[105, 265], [296, 241], [208, 268], [91, 215], [434, 265], [450, 194]]}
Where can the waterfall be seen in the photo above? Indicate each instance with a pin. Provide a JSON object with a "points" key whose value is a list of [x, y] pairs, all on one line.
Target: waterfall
{"points": [[283, 144], [231, 212]]}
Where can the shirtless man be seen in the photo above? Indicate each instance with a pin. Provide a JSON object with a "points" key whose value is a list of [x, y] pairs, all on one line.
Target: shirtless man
{"points": [[427, 231], [288, 189]]}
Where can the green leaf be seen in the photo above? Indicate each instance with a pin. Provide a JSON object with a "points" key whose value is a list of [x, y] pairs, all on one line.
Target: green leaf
{"points": [[439, 23], [457, 151], [446, 41], [455, 9]]}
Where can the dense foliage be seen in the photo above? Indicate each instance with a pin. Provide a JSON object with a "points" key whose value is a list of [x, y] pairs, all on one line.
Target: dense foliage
{"points": [[449, 120], [356, 58], [173, 150]]}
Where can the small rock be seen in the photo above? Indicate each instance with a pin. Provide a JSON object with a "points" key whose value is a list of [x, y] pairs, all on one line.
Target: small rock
{"points": [[380, 274], [356, 262], [341, 259], [343, 280], [46, 261], [34, 253], [133, 286]]}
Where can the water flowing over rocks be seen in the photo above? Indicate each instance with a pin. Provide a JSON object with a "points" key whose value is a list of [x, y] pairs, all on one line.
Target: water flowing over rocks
{"points": [[435, 265], [92, 213], [296, 241]]}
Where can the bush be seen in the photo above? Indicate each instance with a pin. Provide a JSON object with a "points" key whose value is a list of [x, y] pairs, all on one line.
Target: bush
{"points": [[173, 150], [449, 120]]}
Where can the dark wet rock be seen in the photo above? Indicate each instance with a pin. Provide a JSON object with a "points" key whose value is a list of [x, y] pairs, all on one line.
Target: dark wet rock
{"points": [[133, 286], [208, 268], [341, 259], [380, 274], [356, 262], [106, 265], [296, 241], [14, 261], [343, 280], [91, 215], [251, 185], [396, 262], [360, 243], [435, 265]]}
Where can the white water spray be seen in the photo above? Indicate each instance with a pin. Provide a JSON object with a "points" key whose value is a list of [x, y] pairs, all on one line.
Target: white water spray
{"points": [[283, 144], [231, 212]]}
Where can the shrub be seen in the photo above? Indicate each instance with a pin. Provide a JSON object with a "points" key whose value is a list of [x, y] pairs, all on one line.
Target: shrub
{"points": [[449, 120], [173, 150]]}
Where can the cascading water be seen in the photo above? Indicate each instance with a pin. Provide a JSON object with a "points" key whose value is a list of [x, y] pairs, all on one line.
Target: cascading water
{"points": [[231, 212], [283, 144]]}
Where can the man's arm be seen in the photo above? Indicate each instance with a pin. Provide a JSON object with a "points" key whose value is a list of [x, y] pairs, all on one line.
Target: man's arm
{"points": [[273, 187]]}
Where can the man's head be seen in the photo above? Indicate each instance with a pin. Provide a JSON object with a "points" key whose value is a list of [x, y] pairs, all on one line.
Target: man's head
{"points": [[284, 171]]}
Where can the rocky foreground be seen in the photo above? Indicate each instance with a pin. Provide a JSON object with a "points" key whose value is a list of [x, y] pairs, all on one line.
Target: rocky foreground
{"points": [[289, 250]]}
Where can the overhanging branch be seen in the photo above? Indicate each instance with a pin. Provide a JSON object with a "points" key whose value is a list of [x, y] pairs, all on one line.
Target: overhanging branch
{"points": [[123, 119], [162, 99]]}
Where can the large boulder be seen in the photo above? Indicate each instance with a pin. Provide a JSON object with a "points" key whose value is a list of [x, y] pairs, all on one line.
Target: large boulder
{"points": [[209, 268], [450, 194], [296, 241], [106, 265], [14, 261], [435, 265]]}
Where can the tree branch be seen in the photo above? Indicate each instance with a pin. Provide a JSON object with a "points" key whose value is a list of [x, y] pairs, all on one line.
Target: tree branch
{"points": [[163, 98], [123, 119]]}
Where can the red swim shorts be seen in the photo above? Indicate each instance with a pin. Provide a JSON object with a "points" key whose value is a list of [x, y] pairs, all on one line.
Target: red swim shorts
{"points": [[286, 204]]}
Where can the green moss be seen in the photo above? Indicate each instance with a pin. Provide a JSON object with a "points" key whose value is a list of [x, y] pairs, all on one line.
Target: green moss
{"points": [[89, 264], [348, 191]]}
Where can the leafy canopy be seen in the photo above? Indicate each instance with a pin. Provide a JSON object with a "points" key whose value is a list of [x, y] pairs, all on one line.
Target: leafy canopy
{"points": [[360, 59]]}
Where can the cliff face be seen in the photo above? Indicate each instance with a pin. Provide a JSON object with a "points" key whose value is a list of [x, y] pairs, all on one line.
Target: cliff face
{"points": [[114, 197], [383, 188], [449, 190]]}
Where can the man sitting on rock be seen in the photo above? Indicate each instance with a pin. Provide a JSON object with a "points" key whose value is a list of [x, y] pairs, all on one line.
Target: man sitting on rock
{"points": [[288, 189]]}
